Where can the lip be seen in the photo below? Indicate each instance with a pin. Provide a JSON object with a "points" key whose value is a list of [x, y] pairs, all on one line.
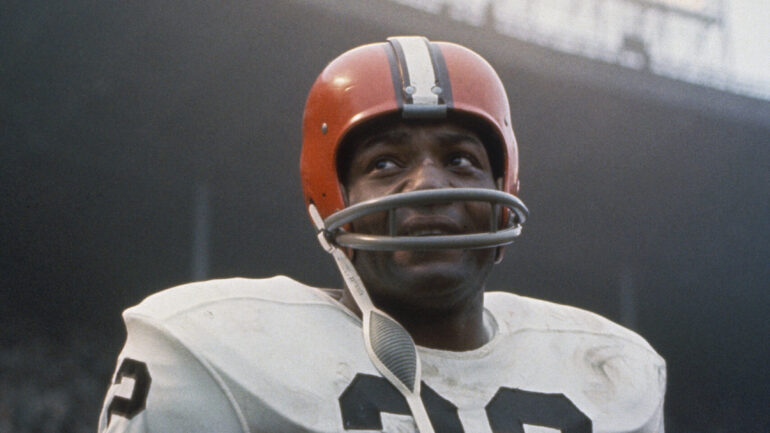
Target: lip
{"points": [[428, 225]]}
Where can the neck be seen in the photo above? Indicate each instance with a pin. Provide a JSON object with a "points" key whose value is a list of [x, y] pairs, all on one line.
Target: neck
{"points": [[459, 328]]}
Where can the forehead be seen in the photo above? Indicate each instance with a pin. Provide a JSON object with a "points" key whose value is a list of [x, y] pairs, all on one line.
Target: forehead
{"points": [[412, 133]]}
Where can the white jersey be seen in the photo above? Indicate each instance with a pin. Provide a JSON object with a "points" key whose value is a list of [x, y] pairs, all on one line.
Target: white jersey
{"points": [[277, 356]]}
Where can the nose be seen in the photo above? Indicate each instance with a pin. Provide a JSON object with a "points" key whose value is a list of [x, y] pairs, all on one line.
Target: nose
{"points": [[427, 174]]}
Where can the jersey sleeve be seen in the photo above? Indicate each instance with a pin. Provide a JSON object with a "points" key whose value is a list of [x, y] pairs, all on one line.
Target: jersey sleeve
{"points": [[655, 424], [161, 385]]}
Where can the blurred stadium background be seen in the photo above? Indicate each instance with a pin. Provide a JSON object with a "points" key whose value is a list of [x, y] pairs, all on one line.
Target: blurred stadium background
{"points": [[145, 144]]}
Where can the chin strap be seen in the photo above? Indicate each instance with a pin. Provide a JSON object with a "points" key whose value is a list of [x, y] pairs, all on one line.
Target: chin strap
{"points": [[390, 347]]}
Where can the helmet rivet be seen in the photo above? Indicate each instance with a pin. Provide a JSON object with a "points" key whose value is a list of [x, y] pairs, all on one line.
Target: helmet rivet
{"points": [[324, 128], [409, 90], [436, 90], [506, 121]]}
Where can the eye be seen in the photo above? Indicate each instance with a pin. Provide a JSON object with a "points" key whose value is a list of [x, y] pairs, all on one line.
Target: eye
{"points": [[461, 160], [380, 164]]}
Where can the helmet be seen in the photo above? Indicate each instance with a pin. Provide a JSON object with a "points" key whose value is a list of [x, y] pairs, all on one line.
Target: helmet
{"points": [[416, 79]]}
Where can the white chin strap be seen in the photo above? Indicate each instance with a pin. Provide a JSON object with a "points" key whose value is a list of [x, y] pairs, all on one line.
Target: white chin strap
{"points": [[390, 347]]}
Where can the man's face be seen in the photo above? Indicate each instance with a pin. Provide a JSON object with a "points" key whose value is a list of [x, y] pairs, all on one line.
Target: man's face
{"points": [[410, 156]]}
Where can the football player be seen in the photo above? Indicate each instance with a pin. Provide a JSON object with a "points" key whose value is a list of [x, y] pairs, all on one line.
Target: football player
{"points": [[410, 173]]}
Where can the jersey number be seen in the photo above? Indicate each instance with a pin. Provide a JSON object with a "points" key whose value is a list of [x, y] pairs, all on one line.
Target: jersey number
{"points": [[129, 407], [367, 396]]}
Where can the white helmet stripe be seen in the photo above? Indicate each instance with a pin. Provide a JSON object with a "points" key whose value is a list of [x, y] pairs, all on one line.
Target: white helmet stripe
{"points": [[417, 62], [417, 70]]}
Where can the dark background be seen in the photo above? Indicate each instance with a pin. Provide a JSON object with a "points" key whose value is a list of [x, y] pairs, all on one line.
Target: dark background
{"points": [[648, 197]]}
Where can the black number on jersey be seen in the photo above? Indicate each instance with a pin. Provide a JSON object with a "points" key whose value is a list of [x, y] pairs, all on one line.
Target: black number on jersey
{"points": [[368, 396], [510, 408], [129, 407]]}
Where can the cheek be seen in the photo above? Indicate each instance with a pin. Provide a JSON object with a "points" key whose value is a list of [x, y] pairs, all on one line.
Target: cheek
{"points": [[362, 190], [374, 224], [479, 215]]}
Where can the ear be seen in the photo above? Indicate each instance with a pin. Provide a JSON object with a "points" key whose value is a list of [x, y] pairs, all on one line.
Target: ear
{"points": [[499, 254]]}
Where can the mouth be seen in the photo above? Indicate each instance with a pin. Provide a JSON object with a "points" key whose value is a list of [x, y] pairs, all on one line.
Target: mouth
{"points": [[428, 232], [421, 225]]}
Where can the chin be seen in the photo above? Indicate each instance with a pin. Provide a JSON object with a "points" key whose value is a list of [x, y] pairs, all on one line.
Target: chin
{"points": [[434, 258], [429, 269], [430, 280], [441, 273]]}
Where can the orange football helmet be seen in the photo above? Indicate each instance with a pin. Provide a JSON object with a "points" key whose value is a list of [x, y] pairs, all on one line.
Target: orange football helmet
{"points": [[417, 79]]}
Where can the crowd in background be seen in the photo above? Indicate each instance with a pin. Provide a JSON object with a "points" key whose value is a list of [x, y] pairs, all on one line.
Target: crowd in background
{"points": [[53, 384]]}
